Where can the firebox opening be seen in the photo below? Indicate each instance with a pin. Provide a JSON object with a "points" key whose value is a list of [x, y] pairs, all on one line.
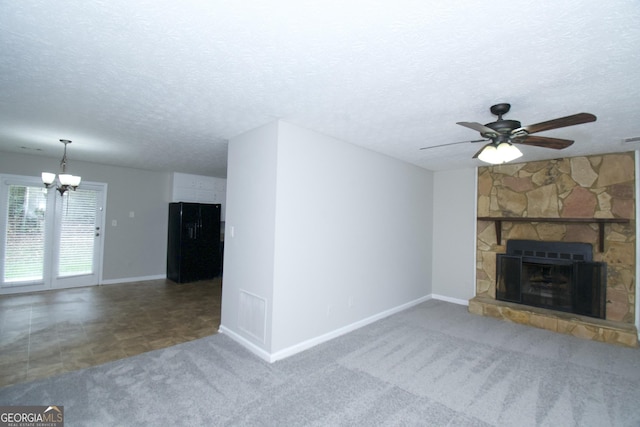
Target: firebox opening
{"points": [[547, 285], [555, 275]]}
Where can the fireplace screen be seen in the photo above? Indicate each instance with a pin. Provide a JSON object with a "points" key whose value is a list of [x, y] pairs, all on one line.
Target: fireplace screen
{"points": [[556, 275]]}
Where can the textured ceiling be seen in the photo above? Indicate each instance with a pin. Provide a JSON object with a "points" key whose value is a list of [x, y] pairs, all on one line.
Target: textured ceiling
{"points": [[162, 85]]}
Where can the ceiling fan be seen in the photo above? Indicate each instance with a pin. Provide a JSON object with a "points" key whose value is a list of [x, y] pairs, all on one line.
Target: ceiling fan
{"points": [[504, 133]]}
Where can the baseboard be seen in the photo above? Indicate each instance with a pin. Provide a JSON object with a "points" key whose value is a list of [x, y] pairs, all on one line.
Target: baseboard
{"points": [[305, 345], [451, 300], [26, 289], [133, 279], [40, 288], [262, 354]]}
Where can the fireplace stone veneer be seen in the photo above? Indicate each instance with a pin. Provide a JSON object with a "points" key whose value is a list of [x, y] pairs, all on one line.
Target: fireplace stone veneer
{"points": [[588, 199], [583, 327]]}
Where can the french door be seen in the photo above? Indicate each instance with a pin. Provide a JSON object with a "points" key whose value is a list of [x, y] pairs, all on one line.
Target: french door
{"points": [[49, 240]]}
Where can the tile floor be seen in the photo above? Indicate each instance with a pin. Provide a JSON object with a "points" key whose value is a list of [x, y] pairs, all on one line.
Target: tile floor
{"points": [[48, 333]]}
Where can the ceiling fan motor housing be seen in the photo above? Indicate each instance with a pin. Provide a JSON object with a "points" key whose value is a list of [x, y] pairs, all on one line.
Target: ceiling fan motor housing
{"points": [[500, 109], [502, 127]]}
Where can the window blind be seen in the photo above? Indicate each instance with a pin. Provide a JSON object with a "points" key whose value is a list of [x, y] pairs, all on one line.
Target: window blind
{"points": [[77, 233], [24, 247]]}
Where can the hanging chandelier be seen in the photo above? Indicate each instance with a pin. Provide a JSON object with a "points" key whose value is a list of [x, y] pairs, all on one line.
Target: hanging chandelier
{"points": [[65, 181]]}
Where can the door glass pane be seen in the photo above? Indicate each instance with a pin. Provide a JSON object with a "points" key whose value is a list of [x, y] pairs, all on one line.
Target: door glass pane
{"points": [[77, 233], [24, 250]]}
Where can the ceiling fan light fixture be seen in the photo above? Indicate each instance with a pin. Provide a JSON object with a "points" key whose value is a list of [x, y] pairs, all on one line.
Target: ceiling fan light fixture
{"points": [[502, 153], [508, 152], [489, 155]]}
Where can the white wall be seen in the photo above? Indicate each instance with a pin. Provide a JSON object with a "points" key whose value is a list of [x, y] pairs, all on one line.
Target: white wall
{"points": [[199, 189], [250, 234], [454, 235], [351, 230]]}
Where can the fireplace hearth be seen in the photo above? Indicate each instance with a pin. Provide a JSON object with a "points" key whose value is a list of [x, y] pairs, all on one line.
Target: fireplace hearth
{"points": [[560, 276]]}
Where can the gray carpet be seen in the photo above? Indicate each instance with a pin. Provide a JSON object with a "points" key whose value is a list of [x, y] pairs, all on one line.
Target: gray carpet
{"points": [[431, 365]]}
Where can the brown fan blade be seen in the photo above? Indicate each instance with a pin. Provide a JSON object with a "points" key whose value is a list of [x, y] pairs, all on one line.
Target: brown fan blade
{"points": [[478, 127], [562, 122], [543, 141], [475, 156]]}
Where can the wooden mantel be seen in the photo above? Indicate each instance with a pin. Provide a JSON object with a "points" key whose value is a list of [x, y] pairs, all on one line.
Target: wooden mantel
{"points": [[600, 221]]}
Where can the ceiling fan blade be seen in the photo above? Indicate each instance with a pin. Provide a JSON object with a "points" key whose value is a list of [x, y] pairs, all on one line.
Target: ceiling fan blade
{"points": [[475, 156], [543, 141], [478, 127], [562, 122], [452, 143]]}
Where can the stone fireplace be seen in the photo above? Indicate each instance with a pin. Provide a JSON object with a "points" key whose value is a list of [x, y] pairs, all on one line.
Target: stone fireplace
{"points": [[588, 202]]}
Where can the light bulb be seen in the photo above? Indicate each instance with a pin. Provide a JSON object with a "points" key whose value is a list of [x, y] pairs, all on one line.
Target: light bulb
{"points": [[74, 181], [489, 155], [508, 152], [48, 177], [65, 178]]}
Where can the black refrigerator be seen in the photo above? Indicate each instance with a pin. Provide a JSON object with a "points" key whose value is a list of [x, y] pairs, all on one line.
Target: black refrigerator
{"points": [[193, 246]]}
